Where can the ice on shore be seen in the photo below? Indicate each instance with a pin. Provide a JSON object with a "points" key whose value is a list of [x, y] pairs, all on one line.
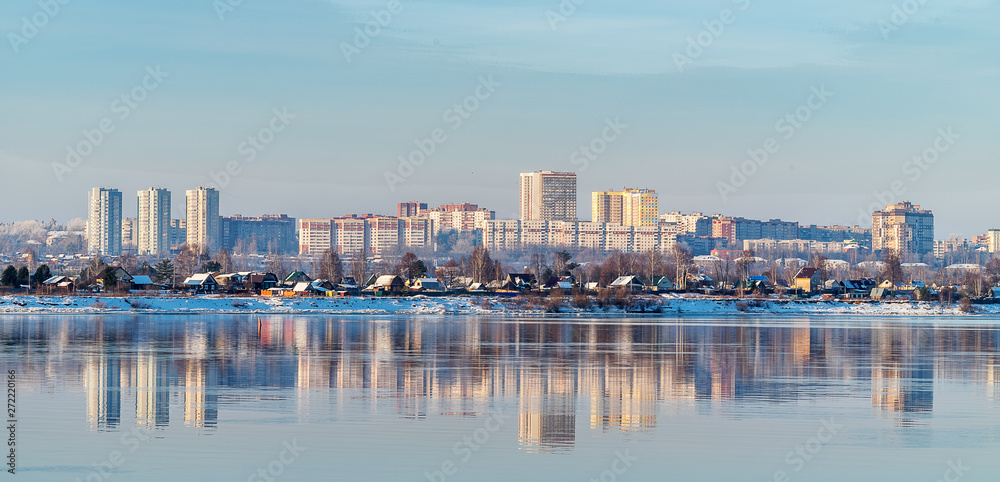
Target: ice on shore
{"points": [[667, 306]]}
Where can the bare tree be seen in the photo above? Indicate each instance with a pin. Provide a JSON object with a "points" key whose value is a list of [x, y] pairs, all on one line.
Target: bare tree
{"points": [[744, 263], [129, 262], [411, 267], [537, 266], [652, 263], [330, 266], [240, 255], [186, 263], [359, 267], [448, 272], [974, 283], [683, 262], [224, 259], [819, 262], [276, 264], [892, 269], [481, 266], [628, 264]]}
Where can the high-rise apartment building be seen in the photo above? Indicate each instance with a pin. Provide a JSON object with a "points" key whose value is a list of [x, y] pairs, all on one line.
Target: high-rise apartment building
{"points": [[696, 223], [153, 228], [548, 196], [993, 240], [504, 234], [904, 228], [130, 231], [315, 236], [178, 233], [370, 234], [737, 230], [410, 209], [265, 234], [104, 222], [204, 226], [628, 207]]}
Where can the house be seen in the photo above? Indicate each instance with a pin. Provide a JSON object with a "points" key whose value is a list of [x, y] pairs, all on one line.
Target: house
{"points": [[426, 284], [808, 280], [699, 280], [461, 281], [758, 284], [232, 282], [318, 287], [60, 284], [889, 285], [631, 282], [519, 282], [389, 283], [143, 282], [122, 279], [201, 283], [261, 281], [122, 276], [850, 289], [559, 282], [348, 285], [295, 277], [662, 283]]}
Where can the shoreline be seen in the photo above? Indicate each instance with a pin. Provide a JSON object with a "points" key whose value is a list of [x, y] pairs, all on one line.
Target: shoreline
{"points": [[673, 307]]}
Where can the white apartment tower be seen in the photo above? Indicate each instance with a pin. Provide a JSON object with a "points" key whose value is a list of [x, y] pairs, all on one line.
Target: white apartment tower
{"points": [[904, 228], [204, 226], [104, 222], [153, 222], [548, 196]]}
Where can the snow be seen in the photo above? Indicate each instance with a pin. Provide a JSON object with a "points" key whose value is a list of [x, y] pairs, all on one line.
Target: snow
{"points": [[665, 305]]}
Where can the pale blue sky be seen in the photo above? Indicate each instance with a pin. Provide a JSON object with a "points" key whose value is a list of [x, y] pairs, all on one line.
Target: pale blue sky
{"points": [[609, 59]]}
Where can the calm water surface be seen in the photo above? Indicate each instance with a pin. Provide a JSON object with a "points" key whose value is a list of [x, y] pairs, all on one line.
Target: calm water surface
{"points": [[473, 398]]}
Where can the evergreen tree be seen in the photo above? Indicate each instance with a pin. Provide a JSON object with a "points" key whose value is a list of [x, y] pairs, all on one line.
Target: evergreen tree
{"points": [[164, 272], [41, 274], [110, 281], [9, 276]]}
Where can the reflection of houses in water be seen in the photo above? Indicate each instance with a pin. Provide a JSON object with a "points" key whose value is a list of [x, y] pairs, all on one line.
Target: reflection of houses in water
{"points": [[152, 390], [546, 419], [102, 384], [902, 370]]}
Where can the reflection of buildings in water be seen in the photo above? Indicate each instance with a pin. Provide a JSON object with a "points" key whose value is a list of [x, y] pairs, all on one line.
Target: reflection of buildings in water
{"points": [[902, 370], [201, 408], [546, 420], [312, 374], [413, 367], [801, 344], [102, 384], [622, 397], [992, 379], [152, 391]]}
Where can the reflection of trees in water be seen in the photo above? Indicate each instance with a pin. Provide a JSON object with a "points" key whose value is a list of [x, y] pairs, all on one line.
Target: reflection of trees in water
{"points": [[612, 372]]}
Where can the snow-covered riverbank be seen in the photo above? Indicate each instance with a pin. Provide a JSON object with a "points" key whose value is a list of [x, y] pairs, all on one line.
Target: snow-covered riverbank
{"points": [[458, 305]]}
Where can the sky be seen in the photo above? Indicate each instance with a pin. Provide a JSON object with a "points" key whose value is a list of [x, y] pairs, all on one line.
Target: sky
{"points": [[311, 115]]}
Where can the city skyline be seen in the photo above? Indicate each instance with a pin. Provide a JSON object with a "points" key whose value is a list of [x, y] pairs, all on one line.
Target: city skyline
{"points": [[204, 204]]}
